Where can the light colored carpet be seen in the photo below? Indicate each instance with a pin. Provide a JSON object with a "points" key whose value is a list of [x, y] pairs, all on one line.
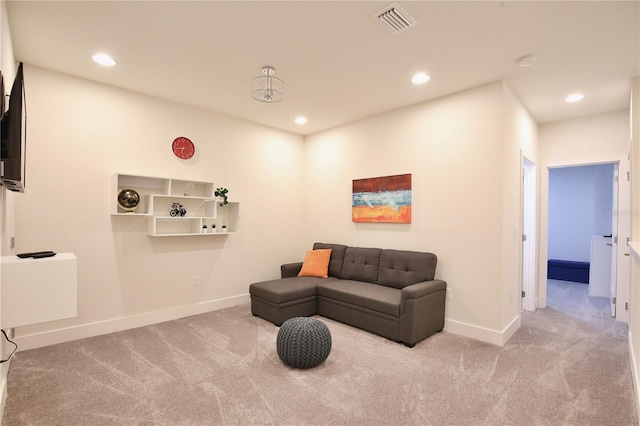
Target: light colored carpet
{"points": [[222, 368], [573, 299]]}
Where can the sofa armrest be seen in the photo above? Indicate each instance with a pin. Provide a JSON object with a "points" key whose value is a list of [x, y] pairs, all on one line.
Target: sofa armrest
{"points": [[422, 310], [289, 270], [424, 288]]}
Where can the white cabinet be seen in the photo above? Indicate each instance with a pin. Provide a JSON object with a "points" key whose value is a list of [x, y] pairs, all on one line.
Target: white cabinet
{"points": [[159, 196], [600, 267], [38, 290]]}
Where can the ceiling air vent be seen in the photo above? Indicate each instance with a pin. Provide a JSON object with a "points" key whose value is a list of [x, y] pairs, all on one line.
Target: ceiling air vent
{"points": [[395, 18]]}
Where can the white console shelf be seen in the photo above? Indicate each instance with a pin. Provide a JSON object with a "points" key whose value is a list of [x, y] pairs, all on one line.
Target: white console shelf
{"points": [[38, 290], [157, 195]]}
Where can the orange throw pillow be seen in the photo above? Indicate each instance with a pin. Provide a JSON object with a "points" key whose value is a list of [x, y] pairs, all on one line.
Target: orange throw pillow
{"points": [[316, 263]]}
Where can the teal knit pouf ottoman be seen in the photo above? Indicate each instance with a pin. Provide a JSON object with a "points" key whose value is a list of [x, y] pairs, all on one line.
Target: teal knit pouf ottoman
{"points": [[303, 342]]}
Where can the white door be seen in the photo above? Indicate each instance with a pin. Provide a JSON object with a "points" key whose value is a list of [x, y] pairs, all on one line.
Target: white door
{"points": [[622, 259], [614, 240]]}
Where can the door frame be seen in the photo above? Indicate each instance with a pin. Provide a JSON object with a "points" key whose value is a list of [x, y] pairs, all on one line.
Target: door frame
{"points": [[529, 234]]}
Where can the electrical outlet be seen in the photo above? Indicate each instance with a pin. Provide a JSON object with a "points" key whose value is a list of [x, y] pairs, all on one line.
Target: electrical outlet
{"points": [[12, 242], [196, 281], [449, 293]]}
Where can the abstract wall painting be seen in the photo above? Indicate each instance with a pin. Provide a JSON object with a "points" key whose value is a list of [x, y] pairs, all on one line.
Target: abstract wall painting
{"points": [[383, 199]]}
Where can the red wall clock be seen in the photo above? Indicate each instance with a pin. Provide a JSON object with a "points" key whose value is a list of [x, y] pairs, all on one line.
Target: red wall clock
{"points": [[183, 148]]}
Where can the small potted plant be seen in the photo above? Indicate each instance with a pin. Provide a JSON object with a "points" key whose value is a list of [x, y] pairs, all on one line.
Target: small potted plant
{"points": [[213, 228], [221, 195], [224, 228], [204, 229]]}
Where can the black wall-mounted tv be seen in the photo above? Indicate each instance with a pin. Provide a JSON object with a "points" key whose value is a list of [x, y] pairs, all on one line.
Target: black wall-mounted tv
{"points": [[14, 138]]}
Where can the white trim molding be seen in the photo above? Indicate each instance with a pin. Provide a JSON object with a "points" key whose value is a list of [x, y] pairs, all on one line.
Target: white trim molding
{"points": [[488, 335], [634, 372]]}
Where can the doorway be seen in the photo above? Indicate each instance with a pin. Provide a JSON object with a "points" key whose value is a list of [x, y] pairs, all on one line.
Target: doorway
{"points": [[588, 222]]}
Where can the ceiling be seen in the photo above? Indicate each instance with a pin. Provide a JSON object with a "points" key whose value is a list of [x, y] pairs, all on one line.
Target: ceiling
{"points": [[339, 63]]}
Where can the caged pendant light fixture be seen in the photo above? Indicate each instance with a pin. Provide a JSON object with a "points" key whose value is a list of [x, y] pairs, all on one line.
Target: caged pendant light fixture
{"points": [[267, 88]]}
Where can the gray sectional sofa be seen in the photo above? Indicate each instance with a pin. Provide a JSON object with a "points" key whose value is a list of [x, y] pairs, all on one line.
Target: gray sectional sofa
{"points": [[392, 293]]}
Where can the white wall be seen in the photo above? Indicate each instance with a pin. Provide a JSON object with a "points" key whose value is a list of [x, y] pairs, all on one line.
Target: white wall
{"points": [[455, 149], [79, 134], [463, 151], [520, 134], [595, 139], [634, 298], [580, 206], [8, 68]]}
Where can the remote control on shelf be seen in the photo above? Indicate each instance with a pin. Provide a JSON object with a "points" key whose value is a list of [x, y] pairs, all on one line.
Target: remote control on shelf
{"points": [[41, 255], [35, 253]]}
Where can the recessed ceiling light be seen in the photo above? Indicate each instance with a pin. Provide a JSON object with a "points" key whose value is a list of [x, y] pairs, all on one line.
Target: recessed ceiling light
{"points": [[104, 59], [300, 120], [574, 97], [420, 78]]}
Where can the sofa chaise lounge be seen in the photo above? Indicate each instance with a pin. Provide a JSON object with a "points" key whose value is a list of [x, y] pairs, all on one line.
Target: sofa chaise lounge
{"points": [[391, 293]]}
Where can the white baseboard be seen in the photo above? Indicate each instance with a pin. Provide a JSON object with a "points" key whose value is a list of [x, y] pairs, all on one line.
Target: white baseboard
{"points": [[634, 372], [3, 391], [511, 329], [37, 340], [494, 337]]}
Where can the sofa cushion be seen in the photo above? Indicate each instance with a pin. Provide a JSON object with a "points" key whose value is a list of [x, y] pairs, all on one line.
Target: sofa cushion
{"points": [[361, 264], [316, 263], [365, 295], [400, 268], [285, 289], [337, 257]]}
